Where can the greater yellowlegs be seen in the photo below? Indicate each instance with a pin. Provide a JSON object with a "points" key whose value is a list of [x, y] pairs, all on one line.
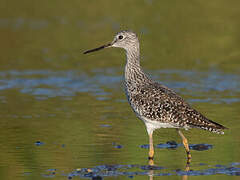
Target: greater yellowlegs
{"points": [[155, 104]]}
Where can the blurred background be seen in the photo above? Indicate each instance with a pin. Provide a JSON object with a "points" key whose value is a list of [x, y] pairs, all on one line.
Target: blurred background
{"points": [[61, 110]]}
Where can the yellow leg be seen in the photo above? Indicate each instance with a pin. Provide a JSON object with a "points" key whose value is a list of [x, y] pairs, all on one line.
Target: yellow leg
{"points": [[185, 143], [151, 149]]}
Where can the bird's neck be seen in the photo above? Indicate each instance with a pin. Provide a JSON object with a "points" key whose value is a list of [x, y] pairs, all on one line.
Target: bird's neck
{"points": [[133, 71], [133, 55]]}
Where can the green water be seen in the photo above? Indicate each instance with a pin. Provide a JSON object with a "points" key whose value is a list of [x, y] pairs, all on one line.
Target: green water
{"points": [[74, 104]]}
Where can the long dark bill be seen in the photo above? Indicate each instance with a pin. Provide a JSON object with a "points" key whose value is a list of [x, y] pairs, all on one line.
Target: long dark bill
{"points": [[99, 48]]}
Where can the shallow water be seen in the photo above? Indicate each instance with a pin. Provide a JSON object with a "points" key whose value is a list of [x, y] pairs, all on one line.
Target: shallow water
{"points": [[69, 120], [64, 114]]}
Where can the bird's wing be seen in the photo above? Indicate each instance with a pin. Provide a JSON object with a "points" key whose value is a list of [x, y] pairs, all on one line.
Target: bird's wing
{"points": [[159, 103]]}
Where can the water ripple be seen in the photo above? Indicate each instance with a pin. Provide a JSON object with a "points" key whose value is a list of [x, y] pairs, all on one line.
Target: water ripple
{"points": [[213, 87], [145, 170]]}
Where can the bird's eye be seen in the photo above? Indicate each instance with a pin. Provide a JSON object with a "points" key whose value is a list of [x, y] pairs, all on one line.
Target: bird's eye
{"points": [[120, 37]]}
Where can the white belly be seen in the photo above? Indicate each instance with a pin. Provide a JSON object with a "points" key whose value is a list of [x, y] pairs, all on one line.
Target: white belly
{"points": [[153, 125]]}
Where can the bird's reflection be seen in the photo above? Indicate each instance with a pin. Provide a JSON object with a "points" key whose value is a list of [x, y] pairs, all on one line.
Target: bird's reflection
{"points": [[187, 168], [150, 174], [151, 170]]}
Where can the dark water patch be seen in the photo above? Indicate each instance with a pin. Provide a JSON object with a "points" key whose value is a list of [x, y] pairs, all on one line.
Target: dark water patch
{"points": [[148, 167], [220, 166], [233, 171], [39, 143], [200, 147], [207, 81], [44, 84], [117, 146], [212, 87], [131, 171], [235, 164], [97, 178], [168, 145], [174, 145], [144, 146]]}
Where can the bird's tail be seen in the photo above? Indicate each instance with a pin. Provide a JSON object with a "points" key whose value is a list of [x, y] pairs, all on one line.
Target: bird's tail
{"points": [[213, 127]]}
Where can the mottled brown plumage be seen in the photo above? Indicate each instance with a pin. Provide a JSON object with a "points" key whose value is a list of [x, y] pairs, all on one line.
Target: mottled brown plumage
{"points": [[158, 103]]}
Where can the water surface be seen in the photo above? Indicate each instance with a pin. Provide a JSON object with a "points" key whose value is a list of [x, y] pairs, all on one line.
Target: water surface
{"points": [[64, 114]]}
